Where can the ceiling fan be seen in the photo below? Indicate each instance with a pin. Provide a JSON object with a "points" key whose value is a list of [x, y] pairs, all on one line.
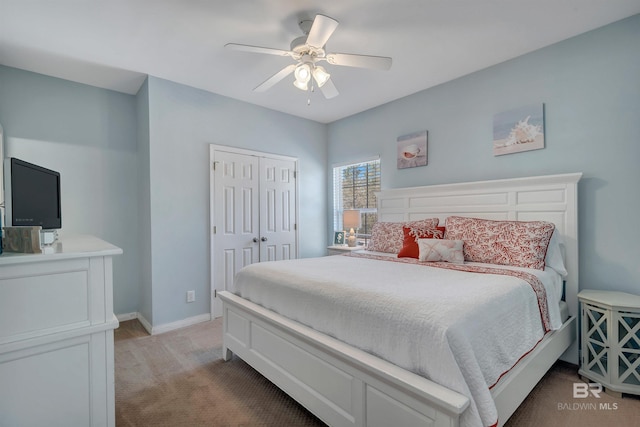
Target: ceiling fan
{"points": [[307, 51]]}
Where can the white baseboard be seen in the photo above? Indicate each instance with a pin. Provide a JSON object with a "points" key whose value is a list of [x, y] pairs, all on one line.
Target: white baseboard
{"points": [[145, 323], [154, 330], [126, 316], [180, 323]]}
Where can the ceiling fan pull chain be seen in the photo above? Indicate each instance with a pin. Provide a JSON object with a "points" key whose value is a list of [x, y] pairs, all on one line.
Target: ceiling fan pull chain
{"points": [[311, 89]]}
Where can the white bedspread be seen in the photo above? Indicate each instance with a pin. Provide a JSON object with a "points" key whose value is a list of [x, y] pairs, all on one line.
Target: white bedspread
{"points": [[462, 330]]}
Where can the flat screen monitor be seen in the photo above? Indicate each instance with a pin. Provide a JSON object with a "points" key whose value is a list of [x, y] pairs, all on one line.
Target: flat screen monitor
{"points": [[32, 195]]}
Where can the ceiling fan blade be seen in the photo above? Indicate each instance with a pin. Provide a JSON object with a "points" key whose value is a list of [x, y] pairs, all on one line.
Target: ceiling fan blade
{"points": [[329, 90], [321, 30], [271, 81], [360, 61], [257, 49]]}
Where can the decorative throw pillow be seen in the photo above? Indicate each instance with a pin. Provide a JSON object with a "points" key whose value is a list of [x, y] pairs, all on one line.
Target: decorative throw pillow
{"points": [[412, 234], [388, 236], [516, 243], [432, 250]]}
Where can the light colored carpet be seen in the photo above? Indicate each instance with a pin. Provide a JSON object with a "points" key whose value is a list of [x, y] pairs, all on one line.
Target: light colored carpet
{"points": [[178, 379], [551, 403]]}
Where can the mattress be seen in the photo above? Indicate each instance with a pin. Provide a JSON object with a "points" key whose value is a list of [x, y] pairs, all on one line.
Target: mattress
{"points": [[460, 329]]}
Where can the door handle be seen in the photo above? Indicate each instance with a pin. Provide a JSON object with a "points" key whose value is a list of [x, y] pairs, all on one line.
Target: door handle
{"points": [[255, 240], [264, 239]]}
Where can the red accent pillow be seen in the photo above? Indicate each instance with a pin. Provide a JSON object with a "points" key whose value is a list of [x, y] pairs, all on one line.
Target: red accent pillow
{"points": [[410, 247]]}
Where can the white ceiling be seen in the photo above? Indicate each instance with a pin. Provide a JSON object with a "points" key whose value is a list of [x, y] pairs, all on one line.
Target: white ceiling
{"points": [[115, 43]]}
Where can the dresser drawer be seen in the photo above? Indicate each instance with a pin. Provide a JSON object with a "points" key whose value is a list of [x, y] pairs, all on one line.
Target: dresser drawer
{"points": [[43, 298]]}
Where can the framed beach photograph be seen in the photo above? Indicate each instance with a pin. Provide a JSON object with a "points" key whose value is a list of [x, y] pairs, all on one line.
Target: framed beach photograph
{"points": [[517, 130], [338, 238], [412, 150]]}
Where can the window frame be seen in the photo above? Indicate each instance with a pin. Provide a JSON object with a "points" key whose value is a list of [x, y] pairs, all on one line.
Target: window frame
{"points": [[338, 206]]}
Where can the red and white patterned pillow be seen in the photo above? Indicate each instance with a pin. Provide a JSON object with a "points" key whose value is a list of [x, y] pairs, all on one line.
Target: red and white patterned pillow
{"points": [[388, 236], [410, 241], [433, 250], [516, 243]]}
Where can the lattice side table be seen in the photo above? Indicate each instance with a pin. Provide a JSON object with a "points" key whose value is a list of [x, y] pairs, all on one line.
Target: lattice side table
{"points": [[610, 339]]}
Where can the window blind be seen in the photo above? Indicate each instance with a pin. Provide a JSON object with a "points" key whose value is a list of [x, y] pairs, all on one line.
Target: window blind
{"points": [[354, 187]]}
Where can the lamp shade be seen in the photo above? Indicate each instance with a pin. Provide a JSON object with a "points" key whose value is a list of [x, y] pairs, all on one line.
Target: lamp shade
{"points": [[320, 75], [301, 85], [351, 218], [303, 73]]}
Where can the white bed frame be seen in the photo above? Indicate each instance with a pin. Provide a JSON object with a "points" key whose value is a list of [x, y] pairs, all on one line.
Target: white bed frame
{"points": [[344, 386]]}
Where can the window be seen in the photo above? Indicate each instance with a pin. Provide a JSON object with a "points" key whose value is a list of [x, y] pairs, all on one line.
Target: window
{"points": [[354, 187]]}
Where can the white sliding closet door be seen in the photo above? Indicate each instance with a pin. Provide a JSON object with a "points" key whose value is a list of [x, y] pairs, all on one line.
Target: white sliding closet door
{"points": [[253, 213]]}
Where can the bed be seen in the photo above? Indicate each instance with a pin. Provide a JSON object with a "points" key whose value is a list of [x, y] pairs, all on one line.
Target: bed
{"points": [[345, 385]]}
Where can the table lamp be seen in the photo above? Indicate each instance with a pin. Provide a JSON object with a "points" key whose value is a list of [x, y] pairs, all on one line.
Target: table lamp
{"points": [[351, 221]]}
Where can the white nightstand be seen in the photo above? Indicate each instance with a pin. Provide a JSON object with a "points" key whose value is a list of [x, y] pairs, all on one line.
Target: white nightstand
{"points": [[611, 339], [340, 249]]}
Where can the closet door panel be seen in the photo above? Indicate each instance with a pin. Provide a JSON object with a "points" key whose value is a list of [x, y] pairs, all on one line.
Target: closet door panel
{"points": [[277, 209], [235, 209]]}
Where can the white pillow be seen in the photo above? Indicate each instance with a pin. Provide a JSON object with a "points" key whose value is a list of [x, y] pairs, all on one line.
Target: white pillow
{"points": [[432, 250], [555, 251]]}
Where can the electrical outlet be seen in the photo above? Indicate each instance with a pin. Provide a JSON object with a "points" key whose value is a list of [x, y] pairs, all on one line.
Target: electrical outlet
{"points": [[191, 296]]}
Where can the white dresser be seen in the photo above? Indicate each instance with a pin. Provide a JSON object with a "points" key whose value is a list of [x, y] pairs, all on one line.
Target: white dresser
{"points": [[56, 335]]}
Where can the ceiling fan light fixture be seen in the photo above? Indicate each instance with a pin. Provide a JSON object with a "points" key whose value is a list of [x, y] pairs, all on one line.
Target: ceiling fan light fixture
{"points": [[303, 73], [309, 49], [320, 75], [301, 85]]}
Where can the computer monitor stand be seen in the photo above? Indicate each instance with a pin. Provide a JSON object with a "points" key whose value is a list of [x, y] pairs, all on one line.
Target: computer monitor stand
{"points": [[48, 237]]}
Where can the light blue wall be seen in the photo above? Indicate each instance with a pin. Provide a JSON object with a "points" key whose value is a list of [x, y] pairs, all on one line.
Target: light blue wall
{"points": [[89, 136], [590, 86], [145, 306], [135, 173], [183, 123]]}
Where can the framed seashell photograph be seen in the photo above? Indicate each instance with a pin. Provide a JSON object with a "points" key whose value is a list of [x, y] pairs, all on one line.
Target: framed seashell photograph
{"points": [[412, 150], [517, 130]]}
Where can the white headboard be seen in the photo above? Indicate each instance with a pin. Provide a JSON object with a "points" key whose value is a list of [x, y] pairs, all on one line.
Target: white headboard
{"points": [[552, 198]]}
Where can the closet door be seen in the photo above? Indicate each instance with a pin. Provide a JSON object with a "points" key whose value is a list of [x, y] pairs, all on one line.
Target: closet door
{"points": [[253, 213], [277, 209], [235, 209]]}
